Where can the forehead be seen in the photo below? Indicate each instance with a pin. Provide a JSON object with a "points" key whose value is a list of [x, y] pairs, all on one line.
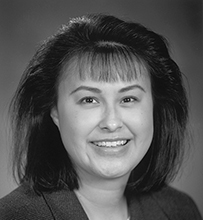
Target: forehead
{"points": [[104, 67]]}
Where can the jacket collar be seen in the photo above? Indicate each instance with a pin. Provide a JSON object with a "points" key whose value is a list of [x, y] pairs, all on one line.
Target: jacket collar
{"points": [[64, 205]]}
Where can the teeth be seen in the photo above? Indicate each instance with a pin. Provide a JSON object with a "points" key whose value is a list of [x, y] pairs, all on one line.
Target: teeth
{"points": [[110, 143]]}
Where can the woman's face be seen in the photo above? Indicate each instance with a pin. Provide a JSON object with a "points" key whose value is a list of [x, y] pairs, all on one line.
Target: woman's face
{"points": [[106, 128]]}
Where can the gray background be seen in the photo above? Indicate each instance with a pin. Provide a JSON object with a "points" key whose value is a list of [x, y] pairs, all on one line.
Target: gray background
{"points": [[25, 23]]}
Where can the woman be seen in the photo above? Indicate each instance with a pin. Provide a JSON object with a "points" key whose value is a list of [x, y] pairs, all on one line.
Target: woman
{"points": [[99, 123]]}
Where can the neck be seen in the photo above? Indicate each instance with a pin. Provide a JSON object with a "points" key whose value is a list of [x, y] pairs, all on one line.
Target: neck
{"points": [[104, 199]]}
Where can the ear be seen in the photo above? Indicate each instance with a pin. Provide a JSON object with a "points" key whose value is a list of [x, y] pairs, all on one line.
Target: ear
{"points": [[54, 116]]}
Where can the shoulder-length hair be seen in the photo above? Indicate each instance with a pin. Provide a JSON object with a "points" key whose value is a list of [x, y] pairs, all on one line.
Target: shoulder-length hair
{"points": [[39, 156]]}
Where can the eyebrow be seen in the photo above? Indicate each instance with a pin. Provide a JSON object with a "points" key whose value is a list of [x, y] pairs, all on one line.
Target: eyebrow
{"points": [[87, 88], [132, 87], [96, 90]]}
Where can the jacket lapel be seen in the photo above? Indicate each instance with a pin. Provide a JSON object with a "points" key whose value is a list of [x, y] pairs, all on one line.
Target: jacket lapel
{"points": [[145, 208], [64, 205]]}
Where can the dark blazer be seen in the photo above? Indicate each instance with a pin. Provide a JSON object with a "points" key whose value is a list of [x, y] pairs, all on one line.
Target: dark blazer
{"points": [[24, 204]]}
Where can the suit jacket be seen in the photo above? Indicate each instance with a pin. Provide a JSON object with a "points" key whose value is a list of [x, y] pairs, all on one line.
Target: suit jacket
{"points": [[24, 204]]}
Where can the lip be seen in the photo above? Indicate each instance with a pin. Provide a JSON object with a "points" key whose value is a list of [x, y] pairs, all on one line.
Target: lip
{"points": [[109, 139], [111, 143], [112, 151]]}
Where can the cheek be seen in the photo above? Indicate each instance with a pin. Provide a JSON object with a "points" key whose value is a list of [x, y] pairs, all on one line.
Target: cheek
{"points": [[147, 124], [76, 125], [68, 125], [72, 133], [143, 134], [141, 125], [147, 131], [140, 118]]}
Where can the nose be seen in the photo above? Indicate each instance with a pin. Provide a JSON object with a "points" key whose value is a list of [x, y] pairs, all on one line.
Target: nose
{"points": [[111, 120]]}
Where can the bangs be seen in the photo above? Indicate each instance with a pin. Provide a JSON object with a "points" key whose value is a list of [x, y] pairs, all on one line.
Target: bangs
{"points": [[108, 63]]}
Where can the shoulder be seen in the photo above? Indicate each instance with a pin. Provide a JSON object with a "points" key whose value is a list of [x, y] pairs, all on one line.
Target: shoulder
{"points": [[23, 203], [176, 204]]}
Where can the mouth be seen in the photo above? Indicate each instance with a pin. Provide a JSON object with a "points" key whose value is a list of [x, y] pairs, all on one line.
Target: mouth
{"points": [[111, 144]]}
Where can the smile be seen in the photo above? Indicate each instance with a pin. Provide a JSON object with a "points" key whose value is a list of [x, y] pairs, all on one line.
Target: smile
{"points": [[110, 144]]}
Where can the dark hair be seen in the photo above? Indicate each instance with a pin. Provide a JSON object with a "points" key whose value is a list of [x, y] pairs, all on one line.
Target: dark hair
{"points": [[39, 155]]}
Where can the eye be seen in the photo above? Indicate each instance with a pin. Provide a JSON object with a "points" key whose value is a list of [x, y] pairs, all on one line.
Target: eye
{"points": [[129, 100], [89, 100]]}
